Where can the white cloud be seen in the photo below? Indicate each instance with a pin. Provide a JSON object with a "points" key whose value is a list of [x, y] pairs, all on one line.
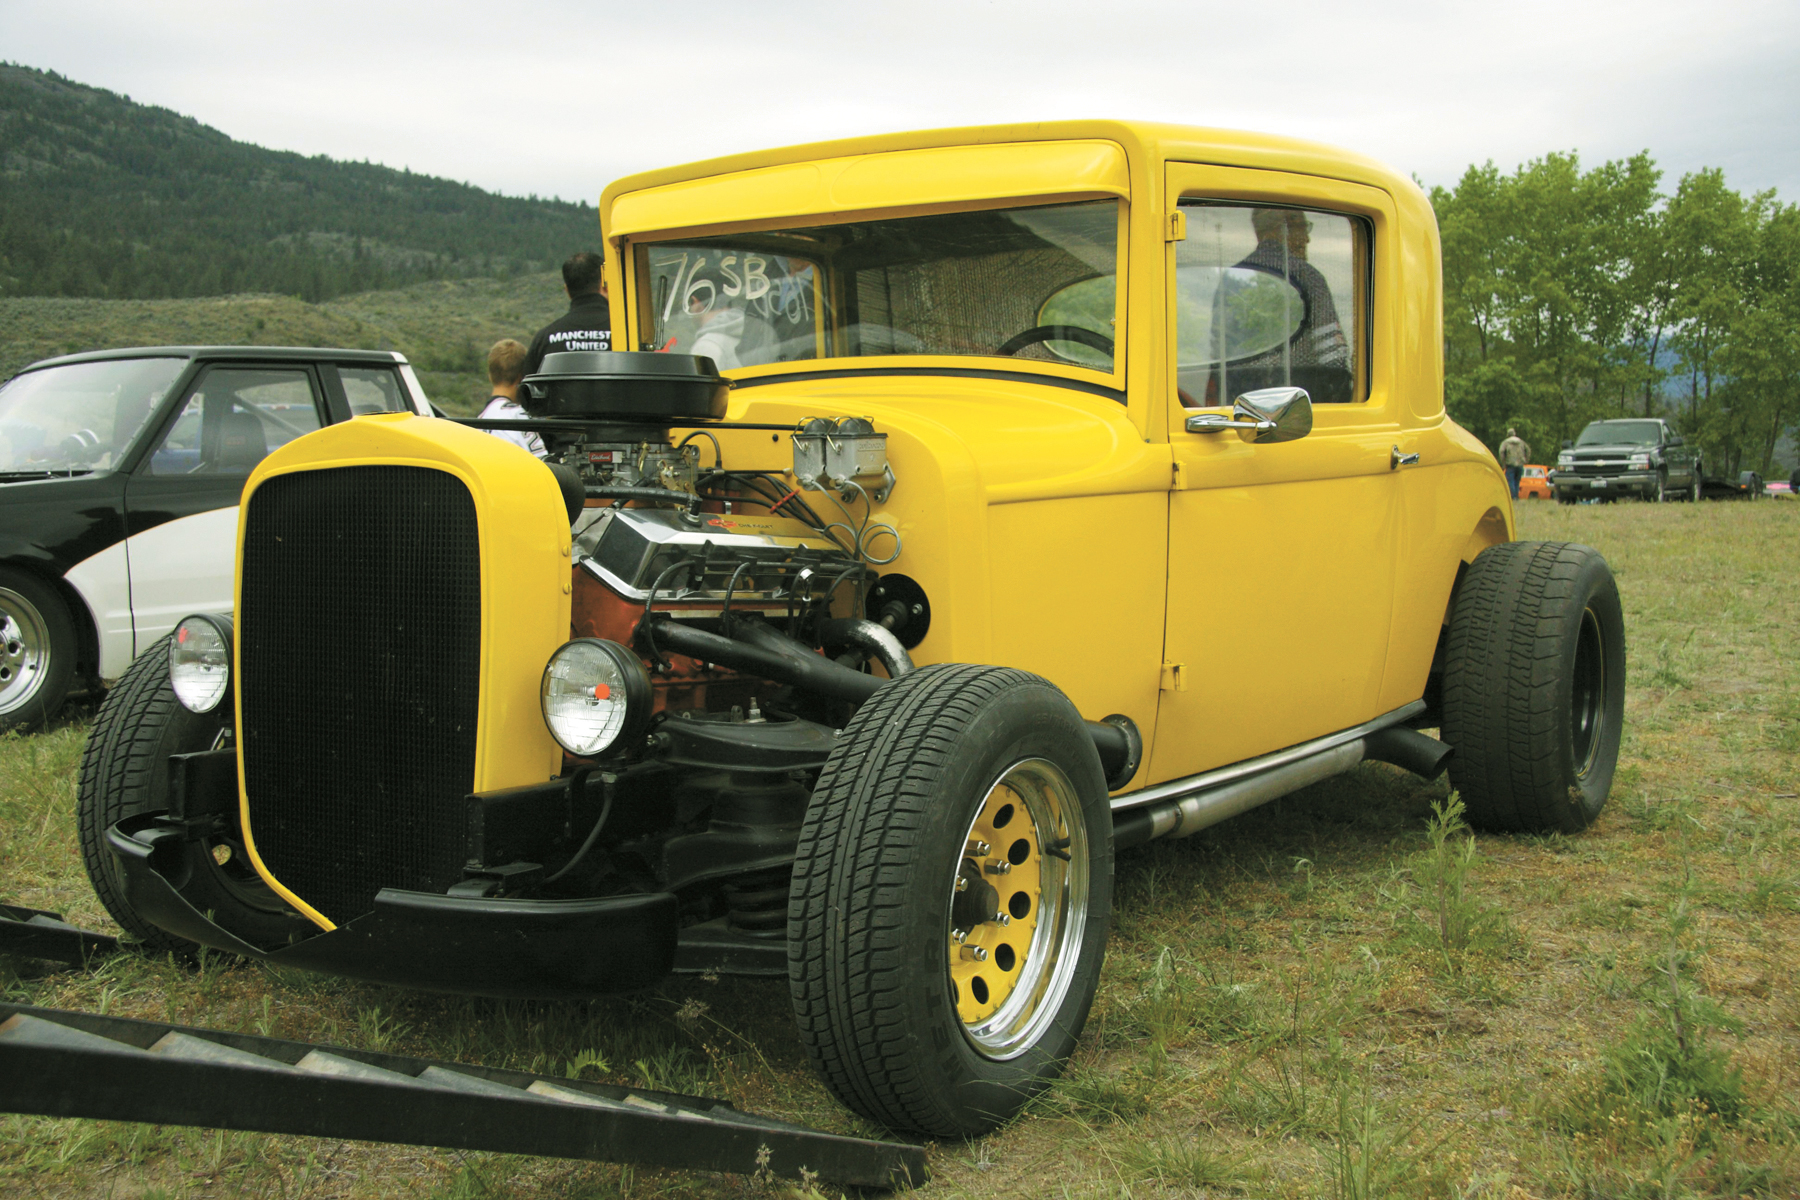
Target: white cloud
{"points": [[559, 97]]}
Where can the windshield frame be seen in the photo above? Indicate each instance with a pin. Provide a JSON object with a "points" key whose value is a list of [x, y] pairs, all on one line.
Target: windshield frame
{"points": [[641, 319], [127, 450]]}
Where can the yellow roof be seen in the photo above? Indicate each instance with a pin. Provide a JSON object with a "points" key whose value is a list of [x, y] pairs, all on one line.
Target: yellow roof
{"points": [[1044, 160]]}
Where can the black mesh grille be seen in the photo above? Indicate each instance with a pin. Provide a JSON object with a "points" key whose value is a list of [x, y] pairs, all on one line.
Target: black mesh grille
{"points": [[359, 633]]}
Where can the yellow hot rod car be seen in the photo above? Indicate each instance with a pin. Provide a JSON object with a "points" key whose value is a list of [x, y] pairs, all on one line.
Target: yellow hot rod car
{"points": [[963, 506]]}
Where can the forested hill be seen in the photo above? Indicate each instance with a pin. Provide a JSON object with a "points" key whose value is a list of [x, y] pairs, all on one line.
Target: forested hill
{"points": [[102, 197]]}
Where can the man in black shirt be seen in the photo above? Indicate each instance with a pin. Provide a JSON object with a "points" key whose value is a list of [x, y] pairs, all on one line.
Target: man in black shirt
{"points": [[588, 323]]}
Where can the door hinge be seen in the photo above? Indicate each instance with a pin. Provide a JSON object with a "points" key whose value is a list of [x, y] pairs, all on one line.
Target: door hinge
{"points": [[1174, 677], [1177, 230], [1178, 477]]}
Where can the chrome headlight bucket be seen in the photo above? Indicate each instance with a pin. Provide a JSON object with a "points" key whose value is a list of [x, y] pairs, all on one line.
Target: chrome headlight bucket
{"points": [[200, 661], [595, 696]]}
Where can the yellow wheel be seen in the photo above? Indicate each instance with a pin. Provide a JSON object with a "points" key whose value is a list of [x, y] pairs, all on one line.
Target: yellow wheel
{"points": [[951, 895], [1018, 903]]}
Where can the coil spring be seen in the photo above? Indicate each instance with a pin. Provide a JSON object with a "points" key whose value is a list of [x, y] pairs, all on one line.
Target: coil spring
{"points": [[756, 905]]}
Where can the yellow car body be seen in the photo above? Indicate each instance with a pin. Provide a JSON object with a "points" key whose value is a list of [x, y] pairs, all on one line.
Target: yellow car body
{"points": [[1160, 495], [1231, 598]]}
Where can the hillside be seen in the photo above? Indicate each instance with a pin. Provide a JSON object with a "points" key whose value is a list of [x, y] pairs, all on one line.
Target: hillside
{"points": [[444, 327], [102, 197]]}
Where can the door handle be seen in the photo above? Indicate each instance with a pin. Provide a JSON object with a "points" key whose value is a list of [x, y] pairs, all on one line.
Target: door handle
{"points": [[1396, 460]]}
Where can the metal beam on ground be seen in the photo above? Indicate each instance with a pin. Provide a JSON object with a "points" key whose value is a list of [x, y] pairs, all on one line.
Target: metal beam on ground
{"points": [[70, 1064]]}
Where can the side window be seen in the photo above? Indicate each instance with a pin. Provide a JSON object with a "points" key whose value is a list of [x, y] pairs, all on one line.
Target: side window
{"points": [[233, 419], [373, 390], [1271, 297]]}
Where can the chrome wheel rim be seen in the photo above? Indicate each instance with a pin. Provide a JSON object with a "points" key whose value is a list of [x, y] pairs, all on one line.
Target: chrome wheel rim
{"points": [[1587, 700], [24, 651], [1008, 975]]}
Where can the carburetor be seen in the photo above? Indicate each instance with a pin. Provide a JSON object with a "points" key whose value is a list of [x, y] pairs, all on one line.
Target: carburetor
{"points": [[622, 457]]}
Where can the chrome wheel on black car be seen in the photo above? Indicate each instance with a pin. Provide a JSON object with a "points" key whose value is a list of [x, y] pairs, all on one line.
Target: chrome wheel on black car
{"points": [[37, 651], [951, 897]]}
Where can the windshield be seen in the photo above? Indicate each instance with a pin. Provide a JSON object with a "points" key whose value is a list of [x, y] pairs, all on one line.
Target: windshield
{"points": [[1621, 433], [79, 418], [993, 284]]}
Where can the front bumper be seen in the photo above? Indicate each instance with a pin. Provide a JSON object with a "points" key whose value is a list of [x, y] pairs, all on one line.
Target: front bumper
{"points": [[1626, 483], [476, 946]]}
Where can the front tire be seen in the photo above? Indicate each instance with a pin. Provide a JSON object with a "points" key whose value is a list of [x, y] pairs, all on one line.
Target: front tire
{"points": [[124, 771], [961, 800], [37, 651], [1534, 686]]}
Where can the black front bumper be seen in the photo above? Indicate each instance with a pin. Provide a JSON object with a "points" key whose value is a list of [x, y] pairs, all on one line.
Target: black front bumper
{"points": [[476, 946], [1628, 483]]}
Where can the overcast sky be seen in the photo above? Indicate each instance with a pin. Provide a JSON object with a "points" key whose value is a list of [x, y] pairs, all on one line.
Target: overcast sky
{"points": [[560, 96]]}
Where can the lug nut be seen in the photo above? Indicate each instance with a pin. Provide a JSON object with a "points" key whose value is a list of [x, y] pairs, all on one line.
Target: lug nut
{"points": [[957, 936], [977, 847], [999, 867], [974, 952], [962, 883]]}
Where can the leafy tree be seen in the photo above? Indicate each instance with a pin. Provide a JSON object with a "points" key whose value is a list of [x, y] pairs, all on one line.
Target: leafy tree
{"points": [[1571, 295]]}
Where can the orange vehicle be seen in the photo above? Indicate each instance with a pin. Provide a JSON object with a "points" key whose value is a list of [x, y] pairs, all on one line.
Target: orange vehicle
{"points": [[1534, 484]]}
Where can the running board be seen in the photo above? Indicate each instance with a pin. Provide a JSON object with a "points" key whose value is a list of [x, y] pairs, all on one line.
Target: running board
{"points": [[1186, 806], [33, 933], [70, 1064]]}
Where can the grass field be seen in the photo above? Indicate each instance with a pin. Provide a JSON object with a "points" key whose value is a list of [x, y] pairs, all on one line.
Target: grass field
{"points": [[1337, 996], [444, 328]]}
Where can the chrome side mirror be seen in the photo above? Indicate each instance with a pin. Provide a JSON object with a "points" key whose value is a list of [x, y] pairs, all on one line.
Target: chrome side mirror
{"points": [[1277, 414]]}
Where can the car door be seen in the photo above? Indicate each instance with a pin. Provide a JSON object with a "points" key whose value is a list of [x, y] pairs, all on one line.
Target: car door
{"points": [[182, 502], [1680, 459], [1281, 556]]}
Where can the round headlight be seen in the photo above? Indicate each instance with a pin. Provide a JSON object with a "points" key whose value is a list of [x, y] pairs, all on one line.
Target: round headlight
{"points": [[594, 693], [200, 662]]}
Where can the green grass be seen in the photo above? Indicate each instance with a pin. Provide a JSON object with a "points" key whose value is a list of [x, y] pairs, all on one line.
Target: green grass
{"points": [[444, 328], [1341, 994]]}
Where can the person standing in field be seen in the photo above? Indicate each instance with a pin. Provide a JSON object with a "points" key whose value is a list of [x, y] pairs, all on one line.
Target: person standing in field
{"points": [[506, 367], [588, 323], [1515, 452]]}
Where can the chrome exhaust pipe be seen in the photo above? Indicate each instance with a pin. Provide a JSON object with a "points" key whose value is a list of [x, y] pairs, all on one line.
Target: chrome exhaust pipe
{"points": [[1187, 815]]}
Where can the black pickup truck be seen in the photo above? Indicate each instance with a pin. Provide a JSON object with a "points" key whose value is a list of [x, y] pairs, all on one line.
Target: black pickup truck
{"points": [[1639, 456]]}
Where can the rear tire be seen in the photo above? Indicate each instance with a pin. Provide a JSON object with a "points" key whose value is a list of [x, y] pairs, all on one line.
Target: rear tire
{"points": [[1534, 686], [908, 1024], [37, 651], [124, 771]]}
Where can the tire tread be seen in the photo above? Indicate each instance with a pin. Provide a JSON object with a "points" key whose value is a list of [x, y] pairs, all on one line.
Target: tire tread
{"points": [[1503, 682], [859, 842]]}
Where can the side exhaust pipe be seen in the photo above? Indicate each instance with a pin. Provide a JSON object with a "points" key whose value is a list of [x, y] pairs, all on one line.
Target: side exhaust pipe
{"points": [[1184, 807], [1424, 756], [1188, 815]]}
